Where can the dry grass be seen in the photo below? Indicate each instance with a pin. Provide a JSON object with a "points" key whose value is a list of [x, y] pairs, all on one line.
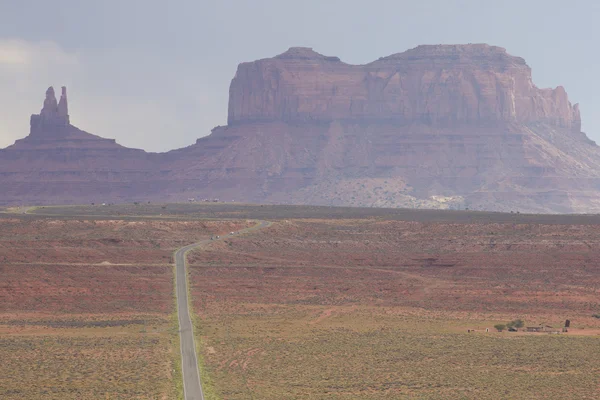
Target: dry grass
{"points": [[130, 361], [87, 307], [291, 352], [318, 309], [380, 309]]}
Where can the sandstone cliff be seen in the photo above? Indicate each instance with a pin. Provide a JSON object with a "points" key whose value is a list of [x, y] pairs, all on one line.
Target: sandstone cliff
{"points": [[437, 85], [436, 126], [445, 125]]}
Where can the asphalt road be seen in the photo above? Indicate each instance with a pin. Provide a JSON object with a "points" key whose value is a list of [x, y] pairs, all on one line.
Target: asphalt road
{"points": [[192, 387]]}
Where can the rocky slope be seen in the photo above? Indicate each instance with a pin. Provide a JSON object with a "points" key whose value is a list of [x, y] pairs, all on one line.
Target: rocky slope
{"points": [[447, 126], [436, 126]]}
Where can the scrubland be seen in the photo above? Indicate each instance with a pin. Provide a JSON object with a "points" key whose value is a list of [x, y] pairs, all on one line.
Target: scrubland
{"points": [[87, 308], [341, 308], [376, 309]]}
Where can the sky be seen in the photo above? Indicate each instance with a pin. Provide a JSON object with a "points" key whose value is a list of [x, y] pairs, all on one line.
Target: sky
{"points": [[155, 74]]}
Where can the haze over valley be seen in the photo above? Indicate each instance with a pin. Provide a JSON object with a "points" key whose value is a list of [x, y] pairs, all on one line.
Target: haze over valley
{"points": [[299, 200]]}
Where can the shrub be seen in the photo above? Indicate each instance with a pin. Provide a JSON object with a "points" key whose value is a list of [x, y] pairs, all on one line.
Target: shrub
{"points": [[500, 327], [517, 323]]}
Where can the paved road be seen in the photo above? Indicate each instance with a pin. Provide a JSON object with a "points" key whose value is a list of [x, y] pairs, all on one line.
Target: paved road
{"points": [[192, 386]]}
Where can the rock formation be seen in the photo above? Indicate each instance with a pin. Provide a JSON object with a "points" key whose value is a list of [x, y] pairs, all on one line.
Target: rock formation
{"points": [[52, 127], [446, 126], [435, 126], [54, 116], [63, 106], [437, 85], [59, 163]]}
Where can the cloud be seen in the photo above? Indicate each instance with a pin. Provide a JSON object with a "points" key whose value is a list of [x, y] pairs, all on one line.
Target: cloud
{"points": [[23, 54], [13, 53]]}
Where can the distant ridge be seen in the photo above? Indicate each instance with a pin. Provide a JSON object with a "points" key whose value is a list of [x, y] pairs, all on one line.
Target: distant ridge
{"points": [[437, 126]]}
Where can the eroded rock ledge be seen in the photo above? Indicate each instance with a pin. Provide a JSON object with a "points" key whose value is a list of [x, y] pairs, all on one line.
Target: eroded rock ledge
{"points": [[439, 85]]}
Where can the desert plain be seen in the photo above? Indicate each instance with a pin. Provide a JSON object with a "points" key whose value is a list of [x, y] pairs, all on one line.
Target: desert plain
{"points": [[326, 303], [87, 307]]}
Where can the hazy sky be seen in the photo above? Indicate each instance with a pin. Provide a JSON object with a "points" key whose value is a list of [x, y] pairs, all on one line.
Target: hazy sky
{"points": [[155, 74]]}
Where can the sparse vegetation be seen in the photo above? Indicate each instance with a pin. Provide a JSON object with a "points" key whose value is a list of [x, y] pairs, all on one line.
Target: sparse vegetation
{"points": [[313, 308], [87, 307], [517, 323], [301, 351], [130, 361], [377, 309]]}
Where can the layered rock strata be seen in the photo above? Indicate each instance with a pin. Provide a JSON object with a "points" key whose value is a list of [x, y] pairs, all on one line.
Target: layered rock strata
{"points": [[447, 126], [438, 85]]}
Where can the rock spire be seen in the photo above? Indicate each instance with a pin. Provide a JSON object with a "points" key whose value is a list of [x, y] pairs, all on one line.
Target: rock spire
{"points": [[50, 108], [63, 106], [53, 116]]}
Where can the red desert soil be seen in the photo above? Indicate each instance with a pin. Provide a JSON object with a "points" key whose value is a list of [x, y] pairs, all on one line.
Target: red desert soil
{"points": [[352, 309], [87, 309], [551, 269], [98, 241]]}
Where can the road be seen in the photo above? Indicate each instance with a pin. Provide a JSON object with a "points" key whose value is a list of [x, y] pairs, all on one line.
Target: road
{"points": [[192, 387]]}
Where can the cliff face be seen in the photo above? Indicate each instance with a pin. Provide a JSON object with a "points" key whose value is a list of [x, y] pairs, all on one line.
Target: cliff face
{"points": [[437, 85], [435, 126]]}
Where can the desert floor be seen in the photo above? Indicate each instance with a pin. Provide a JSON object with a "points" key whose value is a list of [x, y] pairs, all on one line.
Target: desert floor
{"points": [[327, 303]]}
